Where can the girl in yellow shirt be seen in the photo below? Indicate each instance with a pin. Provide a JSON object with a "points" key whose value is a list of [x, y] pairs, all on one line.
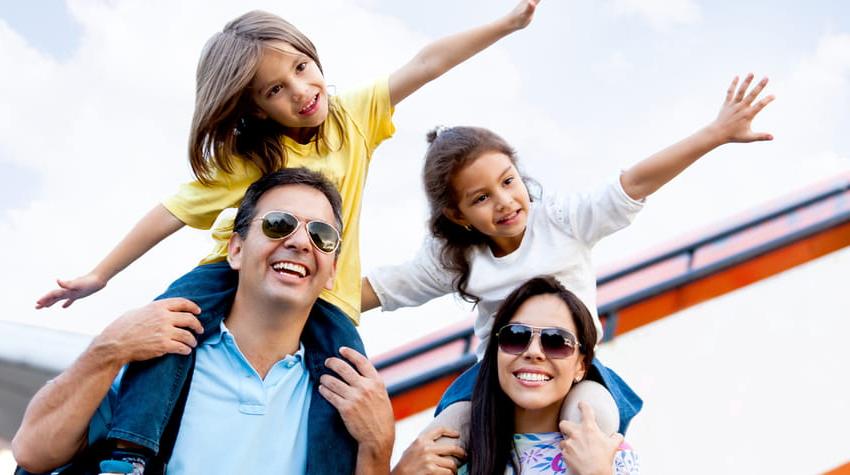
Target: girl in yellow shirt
{"points": [[262, 104]]}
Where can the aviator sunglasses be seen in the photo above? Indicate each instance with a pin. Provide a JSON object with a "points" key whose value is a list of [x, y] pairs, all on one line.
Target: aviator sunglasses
{"points": [[281, 224], [557, 343]]}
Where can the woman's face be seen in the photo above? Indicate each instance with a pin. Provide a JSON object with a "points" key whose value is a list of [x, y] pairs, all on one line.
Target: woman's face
{"points": [[536, 383]]}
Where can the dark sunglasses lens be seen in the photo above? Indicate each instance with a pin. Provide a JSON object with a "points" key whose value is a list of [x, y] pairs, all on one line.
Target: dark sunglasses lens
{"points": [[278, 225], [556, 343], [324, 236], [513, 339]]}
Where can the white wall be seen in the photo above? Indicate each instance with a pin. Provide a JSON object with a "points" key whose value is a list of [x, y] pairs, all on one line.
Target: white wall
{"points": [[751, 382]]}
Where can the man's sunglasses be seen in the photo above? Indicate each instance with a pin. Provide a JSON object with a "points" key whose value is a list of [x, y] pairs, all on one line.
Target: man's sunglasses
{"points": [[282, 224], [557, 343]]}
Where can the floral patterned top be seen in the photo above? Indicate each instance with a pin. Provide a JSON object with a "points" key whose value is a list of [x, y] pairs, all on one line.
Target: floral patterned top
{"points": [[538, 454]]}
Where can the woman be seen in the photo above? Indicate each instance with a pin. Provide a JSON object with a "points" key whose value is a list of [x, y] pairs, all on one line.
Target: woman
{"points": [[541, 345]]}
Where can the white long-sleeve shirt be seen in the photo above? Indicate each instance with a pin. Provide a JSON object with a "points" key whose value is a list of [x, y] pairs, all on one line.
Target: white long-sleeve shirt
{"points": [[561, 231]]}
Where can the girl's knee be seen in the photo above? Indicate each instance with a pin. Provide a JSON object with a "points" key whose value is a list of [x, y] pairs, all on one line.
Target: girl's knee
{"points": [[597, 396]]}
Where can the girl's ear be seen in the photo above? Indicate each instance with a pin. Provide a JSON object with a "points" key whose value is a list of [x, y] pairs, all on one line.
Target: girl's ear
{"points": [[455, 216]]}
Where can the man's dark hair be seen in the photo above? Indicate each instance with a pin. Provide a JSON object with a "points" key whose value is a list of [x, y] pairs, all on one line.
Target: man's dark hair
{"points": [[286, 176]]}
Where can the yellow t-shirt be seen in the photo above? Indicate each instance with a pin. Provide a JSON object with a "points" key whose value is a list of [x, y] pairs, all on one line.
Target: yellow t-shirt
{"points": [[366, 120]]}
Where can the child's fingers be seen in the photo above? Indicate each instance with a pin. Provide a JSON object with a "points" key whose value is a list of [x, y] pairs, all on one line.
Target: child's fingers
{"points": [[730, 93], [744, 85], [756, 91], [758, 106], [68, 302]]}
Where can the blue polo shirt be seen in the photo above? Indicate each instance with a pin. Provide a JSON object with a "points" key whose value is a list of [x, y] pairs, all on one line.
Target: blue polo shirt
{"points": [[236, 422]]}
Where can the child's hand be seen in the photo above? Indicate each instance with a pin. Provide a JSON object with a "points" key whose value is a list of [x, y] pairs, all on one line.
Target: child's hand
{"points": [[585, 448], [71, 290], [521, 16], [736, 116]]}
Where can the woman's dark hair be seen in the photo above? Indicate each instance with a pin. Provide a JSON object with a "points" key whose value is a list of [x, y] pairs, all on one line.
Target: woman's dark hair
{"points": [[450, 150], [491, 442]]}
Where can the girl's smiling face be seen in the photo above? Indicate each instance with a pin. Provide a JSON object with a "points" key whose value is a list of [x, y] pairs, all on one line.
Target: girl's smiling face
{"points": [[492, 198], [535, 383], [289, 88]]}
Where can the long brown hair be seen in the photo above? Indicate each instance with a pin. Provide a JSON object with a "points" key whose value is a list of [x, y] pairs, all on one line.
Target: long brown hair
{"points": [[450, 150], [224, 124], [491, 443]]}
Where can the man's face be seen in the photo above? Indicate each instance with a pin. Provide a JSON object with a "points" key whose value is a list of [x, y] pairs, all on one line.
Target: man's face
{"points": [[289, 271]]}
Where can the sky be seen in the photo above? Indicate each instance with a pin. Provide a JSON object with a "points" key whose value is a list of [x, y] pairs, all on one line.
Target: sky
{"points": [[96, 100]]}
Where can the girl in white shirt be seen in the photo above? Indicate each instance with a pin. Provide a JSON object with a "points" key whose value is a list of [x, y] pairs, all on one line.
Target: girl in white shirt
{"points": [[488, 235]]}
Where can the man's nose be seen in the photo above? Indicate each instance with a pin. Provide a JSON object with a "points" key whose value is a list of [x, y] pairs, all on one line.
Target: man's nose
{"points": [[299, 240]]}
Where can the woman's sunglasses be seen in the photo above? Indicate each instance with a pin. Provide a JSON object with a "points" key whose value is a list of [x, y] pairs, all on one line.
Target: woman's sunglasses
{"points": [[282, 224], [556, 343]]}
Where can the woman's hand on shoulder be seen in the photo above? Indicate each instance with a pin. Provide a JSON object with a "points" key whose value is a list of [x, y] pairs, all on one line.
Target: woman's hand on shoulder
{"points": [[586, 449], [427, 456]]}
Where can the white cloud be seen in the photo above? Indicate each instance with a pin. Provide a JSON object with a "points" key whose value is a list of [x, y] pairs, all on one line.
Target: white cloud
{"points": [[661, 14]]}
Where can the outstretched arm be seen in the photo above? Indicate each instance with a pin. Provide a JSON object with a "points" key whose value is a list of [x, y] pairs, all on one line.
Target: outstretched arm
{"points": [[155, 226], [56, 421], [444, 54], [731, 125]]}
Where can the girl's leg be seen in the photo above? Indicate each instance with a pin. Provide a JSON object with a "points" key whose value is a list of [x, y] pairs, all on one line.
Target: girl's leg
{"points": [[455, 417], [613, 401], [603, 404], [454, 409], [149, 389]]}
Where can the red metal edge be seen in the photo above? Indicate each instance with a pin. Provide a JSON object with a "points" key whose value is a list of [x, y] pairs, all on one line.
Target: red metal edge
{"points": [[743, 274]]}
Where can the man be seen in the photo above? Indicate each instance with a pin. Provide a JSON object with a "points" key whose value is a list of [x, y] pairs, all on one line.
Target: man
{"points": [[255, 382]]}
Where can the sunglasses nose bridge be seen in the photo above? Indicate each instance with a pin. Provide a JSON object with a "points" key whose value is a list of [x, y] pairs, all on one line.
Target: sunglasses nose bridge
{"points": [[535, 345]]}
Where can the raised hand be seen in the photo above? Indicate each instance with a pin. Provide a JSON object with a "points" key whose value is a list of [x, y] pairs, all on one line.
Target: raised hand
{"points": [[734, 121], [522, 14], [71, 290], [586, 449]]}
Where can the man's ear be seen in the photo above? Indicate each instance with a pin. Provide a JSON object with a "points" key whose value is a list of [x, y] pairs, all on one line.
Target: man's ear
{"points": [[234, 251], [329, 285], [455, 216]]}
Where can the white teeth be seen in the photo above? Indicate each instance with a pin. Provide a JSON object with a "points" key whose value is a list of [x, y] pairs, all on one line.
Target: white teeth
{"points": [[532, 377], [291, 267], [308, 106]]}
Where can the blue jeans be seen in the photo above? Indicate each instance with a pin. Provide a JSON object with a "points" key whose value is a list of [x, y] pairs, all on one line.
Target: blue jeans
{"points": [[150, 389], [628, 403]]}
